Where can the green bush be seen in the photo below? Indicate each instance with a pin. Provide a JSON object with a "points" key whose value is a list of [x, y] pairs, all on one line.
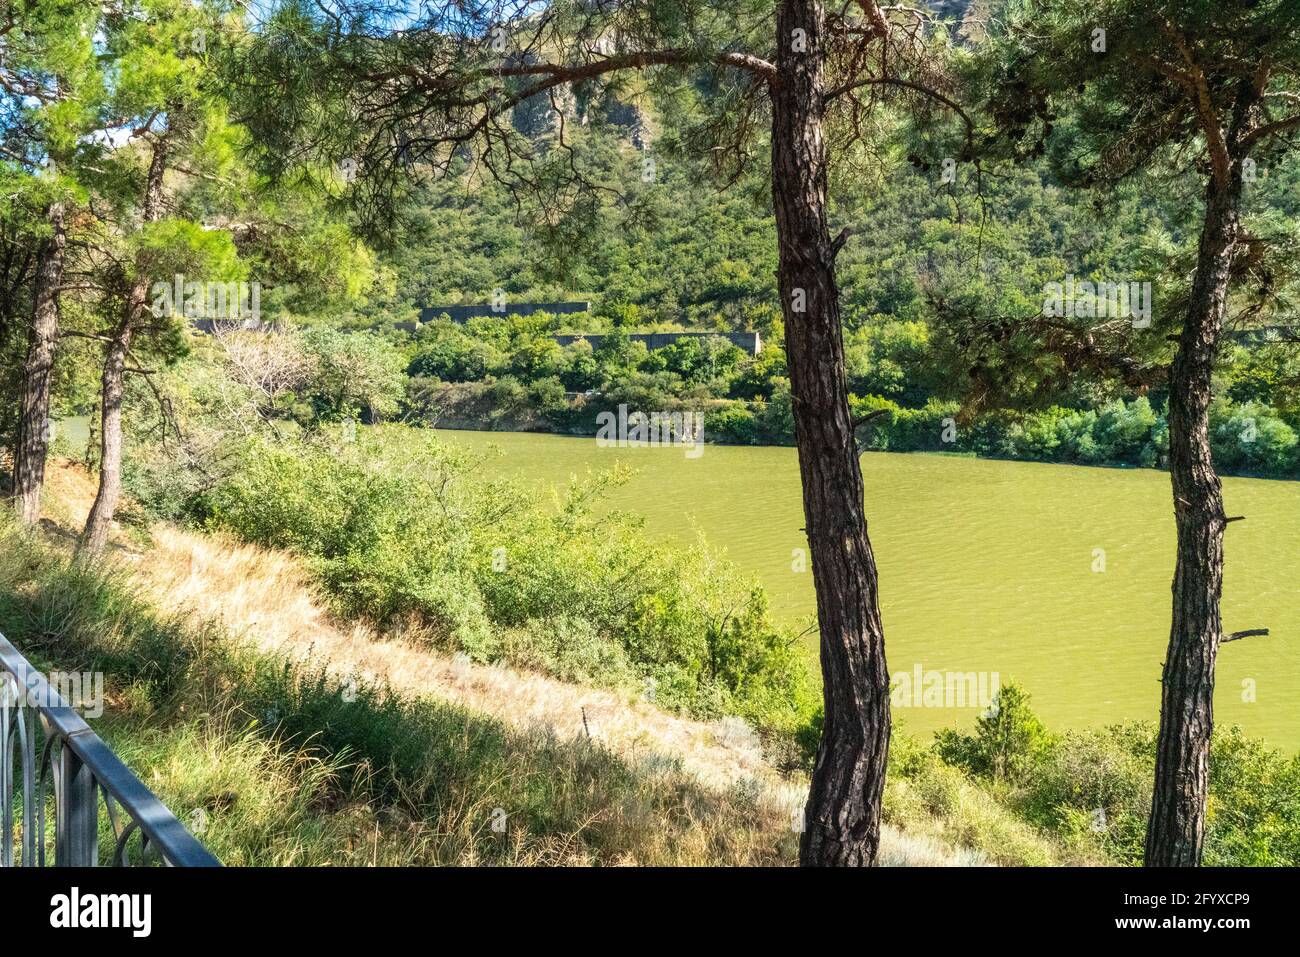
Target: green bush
{"points": [[735, 424], [1252, 438], [357, 374], [1092, 788], [1008, 743], [454, 357], [396, 524], [1254, 808]]}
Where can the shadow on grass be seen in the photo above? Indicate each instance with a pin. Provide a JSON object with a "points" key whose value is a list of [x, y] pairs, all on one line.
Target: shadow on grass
{"points": [[291, 764]]}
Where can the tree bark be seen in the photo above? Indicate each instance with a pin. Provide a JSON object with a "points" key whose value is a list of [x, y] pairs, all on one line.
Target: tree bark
{"points": [[91, 458], [112, 384], [100, 520], [842, 817], [33, 439], [1177, 824]]}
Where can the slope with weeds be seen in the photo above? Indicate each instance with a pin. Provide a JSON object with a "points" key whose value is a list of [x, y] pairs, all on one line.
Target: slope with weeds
{"points": [[264, 744]]}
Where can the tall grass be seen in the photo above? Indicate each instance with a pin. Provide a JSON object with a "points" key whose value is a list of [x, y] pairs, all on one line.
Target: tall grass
{"points": [[291, 764]]}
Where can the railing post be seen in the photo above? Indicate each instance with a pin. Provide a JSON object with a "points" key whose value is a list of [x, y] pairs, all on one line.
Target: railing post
{"points": [[6, 779], [80, 765], [76, 832]]}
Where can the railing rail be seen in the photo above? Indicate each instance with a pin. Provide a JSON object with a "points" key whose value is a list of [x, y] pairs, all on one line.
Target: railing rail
{"points": [[80, 768]]}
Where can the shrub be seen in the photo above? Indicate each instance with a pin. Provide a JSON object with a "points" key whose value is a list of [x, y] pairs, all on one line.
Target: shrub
{"points": [[1252, 438], [735, 424], [1094, 787], [1009, 740], [454, 358], [396, 524], [357, 374], [1254, 809]]}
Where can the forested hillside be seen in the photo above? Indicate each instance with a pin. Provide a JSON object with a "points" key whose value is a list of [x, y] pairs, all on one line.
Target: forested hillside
{"points": [[932, 258]]}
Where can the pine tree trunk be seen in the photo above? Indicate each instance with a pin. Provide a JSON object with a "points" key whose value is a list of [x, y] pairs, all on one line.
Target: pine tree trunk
{"points": [[90, 458], [100, 521], [1177, 824], [842, 818], [33, 440]]}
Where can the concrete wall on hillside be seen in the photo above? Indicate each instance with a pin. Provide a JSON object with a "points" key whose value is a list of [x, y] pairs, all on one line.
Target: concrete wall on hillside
{"points": [[464, 313], [210, 326], [749, 341]]}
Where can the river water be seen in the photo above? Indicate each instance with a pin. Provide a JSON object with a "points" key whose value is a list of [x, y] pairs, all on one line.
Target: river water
{"points": [[1057, 576]]}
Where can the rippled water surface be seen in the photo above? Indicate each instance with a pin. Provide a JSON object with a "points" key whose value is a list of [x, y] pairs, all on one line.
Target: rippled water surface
{"points": [[988, 566]]}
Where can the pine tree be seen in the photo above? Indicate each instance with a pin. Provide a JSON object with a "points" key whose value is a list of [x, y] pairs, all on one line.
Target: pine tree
{"points": [[392, 96]]}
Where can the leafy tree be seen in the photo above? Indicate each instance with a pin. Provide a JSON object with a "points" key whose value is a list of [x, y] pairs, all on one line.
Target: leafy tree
{"points": [[450, 75], [454, 357], [583, 371], [1008, 742], [357, 374], [161, 96], [1209, 92], [51, 86]]}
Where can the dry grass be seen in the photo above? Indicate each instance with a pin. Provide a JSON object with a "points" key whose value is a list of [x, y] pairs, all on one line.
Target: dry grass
{"points": [[266, 597], [68, 495]]}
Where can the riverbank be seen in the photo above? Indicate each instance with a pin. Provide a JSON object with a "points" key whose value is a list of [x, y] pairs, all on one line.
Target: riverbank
{"points": [[1249, 439], [299, 738], [538, 426]]}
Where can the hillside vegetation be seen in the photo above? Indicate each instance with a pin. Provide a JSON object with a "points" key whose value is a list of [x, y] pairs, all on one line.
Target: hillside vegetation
{"points": [[929, 260], [338, 639]]}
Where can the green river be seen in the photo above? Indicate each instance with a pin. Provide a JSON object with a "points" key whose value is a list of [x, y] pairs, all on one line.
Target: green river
{"points": [[988, 566]]}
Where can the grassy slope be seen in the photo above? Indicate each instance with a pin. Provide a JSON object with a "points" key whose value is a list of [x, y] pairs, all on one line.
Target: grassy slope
{"points": [[309, 741]]}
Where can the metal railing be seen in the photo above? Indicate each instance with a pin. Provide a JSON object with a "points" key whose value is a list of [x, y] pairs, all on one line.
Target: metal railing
{"points": [[76, 768]]}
